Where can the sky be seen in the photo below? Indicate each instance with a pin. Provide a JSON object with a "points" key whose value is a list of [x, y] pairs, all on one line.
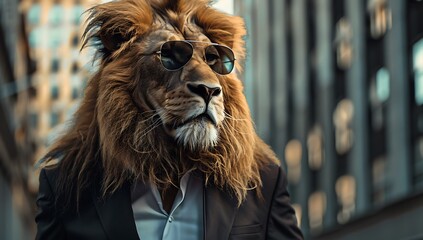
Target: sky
{"points": [[225, 6]]}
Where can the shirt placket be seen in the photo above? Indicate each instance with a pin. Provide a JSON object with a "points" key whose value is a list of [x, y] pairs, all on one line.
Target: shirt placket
{"points": [[170, 223]]}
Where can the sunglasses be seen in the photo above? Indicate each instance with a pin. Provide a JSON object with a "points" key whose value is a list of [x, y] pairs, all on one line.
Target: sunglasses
{"points": [[174, 55]]}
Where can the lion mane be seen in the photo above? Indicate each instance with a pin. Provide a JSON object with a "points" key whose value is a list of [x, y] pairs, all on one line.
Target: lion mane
{"points": [[119, 139]]}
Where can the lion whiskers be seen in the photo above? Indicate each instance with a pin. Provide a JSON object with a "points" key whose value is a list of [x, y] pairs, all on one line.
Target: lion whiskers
{"points": [[228, 126], [154, 125], [233, 118], [142, 131]]}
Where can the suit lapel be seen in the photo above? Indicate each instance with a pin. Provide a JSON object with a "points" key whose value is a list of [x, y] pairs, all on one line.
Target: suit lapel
{"points": [[117, 218], [116, 215], [220, 211]]}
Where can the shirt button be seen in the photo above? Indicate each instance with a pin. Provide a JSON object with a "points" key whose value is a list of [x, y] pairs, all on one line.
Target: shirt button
{"points": [[170, 219]]}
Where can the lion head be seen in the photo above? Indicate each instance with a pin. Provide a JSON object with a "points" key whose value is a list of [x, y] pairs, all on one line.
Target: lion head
{"points": [[144, 118]]}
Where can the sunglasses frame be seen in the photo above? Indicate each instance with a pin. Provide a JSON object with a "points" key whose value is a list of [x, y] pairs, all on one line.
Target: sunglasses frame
{"points": [[192, 47]]}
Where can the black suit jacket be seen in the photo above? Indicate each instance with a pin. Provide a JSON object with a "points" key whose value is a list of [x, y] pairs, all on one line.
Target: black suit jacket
{"points": [[112, 218]]}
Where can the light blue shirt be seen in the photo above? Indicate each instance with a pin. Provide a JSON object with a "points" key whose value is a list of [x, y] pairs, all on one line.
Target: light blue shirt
{"points": [[185, 221]]}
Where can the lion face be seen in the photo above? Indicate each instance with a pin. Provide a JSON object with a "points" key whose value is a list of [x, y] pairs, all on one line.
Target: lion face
{"points": [[188, 101], [143, 121], [141, 99]]}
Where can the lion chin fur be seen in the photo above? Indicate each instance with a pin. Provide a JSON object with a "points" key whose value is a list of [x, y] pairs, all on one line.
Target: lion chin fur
{"points": [[118, 129], [197, 136]]}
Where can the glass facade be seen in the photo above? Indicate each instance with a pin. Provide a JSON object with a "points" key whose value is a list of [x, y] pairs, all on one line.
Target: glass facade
{"points": [[342, 95], [54, 30], [415, 43], [16, 137]]}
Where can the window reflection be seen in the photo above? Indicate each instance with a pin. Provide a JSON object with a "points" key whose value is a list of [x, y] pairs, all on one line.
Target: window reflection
{"points": [[317, 208], [379, 170], [315, 148], [298, 212], [418, 112], [345, 190], [418, 71], [382, 84], [293, 153], [344, 51], [380, 17], [418, 169], [342, 118], [378, 94]]}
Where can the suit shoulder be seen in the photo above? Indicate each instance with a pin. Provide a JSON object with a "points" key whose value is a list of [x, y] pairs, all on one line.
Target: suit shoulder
{"points": [[50, 173], [271, 172], [50, 168], [271, 176]]}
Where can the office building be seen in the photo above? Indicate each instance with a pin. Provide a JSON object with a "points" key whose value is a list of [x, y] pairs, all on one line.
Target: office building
{"points": [[336, 87], [16, 211]]}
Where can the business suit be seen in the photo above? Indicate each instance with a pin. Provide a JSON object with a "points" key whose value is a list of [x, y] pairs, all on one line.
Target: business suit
{"points": [[271, 217]]}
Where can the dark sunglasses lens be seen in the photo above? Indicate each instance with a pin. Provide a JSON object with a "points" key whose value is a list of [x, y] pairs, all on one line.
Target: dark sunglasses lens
{"points": [[220, 58], [175, 54]]}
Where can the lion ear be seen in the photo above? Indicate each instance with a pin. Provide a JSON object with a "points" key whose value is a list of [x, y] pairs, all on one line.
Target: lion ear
{"points": [[112, 41], [106, 31], [113, 24]]}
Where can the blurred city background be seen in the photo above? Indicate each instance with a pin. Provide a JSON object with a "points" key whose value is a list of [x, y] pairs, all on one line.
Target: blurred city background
{"points": [[335, 87]]}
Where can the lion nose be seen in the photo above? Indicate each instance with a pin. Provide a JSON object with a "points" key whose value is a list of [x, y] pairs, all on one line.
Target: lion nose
{"points": [[204, 91]]}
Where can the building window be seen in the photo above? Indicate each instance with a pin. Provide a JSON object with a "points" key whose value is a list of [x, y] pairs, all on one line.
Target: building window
{"points": [[56, 15], [379, 179], [54, 92], [55, 65], [418, 112], [380, 17], [75, 68], [75, 40], [344, 49], [378, 94], [298, 212], [35, 37], [75, 93], [33, 120], [342, 119], [345, 189], [418, 71], [77, 12], [317, 208], [382, 84], [76, 86], [54, 119], [56, 37], [418, 155], [34, 14], [293, 154], [315, 148]]}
